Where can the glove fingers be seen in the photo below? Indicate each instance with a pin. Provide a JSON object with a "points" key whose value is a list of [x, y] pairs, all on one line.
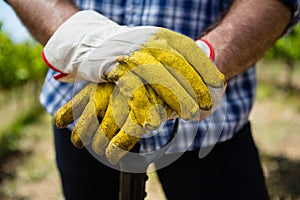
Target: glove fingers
{"points": [[148, 115], [164, 109], [141, 101], [86, 126], [114, 118], [88, 122], [185, 74], [165, 85], [125, 140], [195, 56], [72, 110], [101, 97], [107, 129], [76, 141]]}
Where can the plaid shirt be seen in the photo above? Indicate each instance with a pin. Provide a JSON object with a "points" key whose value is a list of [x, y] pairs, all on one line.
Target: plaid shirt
{"points": [[191, 18]]}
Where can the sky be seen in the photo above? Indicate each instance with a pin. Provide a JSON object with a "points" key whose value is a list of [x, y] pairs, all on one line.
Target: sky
{"points": [[12, 25]]}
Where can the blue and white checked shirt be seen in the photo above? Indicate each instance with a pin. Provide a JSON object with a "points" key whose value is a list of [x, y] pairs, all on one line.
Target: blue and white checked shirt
{"points": [[190, 17]]}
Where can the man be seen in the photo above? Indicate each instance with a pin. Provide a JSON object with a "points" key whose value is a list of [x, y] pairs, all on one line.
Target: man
{"points": [[239, 31]]}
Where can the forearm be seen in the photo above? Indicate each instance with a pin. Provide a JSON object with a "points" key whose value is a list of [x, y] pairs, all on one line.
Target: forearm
{"points": [[42, 17], [246, 32]]}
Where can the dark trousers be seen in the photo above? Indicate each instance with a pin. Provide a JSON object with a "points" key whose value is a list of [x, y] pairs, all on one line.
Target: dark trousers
{"points": [[231, 170]]}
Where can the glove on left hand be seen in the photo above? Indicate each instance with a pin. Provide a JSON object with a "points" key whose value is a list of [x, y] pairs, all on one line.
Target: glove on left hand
{"points": [[104, 120]]}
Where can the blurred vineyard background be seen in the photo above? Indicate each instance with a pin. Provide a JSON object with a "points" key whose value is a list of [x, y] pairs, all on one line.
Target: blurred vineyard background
{"points": [[27, 161]]}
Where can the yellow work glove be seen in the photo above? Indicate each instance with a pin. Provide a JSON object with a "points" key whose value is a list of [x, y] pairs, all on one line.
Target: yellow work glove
{"points": [[104, 119], [88, 107], [89, 46], [147, 64]]}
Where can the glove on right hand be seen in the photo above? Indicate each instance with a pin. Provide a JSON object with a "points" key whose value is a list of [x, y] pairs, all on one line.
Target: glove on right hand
{"points": [[104, 120]]}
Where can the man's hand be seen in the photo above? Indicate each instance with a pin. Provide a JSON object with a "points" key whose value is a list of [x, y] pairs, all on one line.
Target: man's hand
{"points": [[156, 72], [91, 47], [112, 118], [88, 46], [104, 120]]}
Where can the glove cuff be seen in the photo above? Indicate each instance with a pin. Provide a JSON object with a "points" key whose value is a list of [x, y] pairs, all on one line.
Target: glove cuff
{"points": [[61, 49], [206, 47]]}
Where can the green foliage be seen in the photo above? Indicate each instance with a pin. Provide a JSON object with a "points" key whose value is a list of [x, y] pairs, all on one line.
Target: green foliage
{"points": [[10, 136], [19, 63], [287, 48]]}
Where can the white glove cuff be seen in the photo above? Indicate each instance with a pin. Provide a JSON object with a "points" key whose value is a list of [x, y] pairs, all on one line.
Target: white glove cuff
{"points": [[61, 47]]}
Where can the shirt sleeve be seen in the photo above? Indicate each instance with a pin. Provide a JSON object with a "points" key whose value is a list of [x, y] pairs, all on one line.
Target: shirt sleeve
{"points": [[294, 6]]}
